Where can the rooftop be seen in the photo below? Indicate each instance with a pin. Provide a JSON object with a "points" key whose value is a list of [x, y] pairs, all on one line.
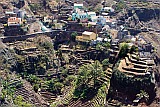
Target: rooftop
{"points": [[14, 19], [87, 33], [10, 12], [75, 4]]}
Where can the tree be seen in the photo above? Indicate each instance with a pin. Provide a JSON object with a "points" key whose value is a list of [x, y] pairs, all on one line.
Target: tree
{"points": [[50, 85], [84, 75], [58, 86], [120, 5], [123, 50], [96, 71], [33, 79], [19, 101], [106, 45], [88, 79], [70, 79], [99, 46], [143, 96], [105, 63], [36, 87], [133, 49], [73, 36]]}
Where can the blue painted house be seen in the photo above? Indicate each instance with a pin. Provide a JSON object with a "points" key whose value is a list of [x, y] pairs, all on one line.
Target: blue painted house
{"points": [[82, 15]]}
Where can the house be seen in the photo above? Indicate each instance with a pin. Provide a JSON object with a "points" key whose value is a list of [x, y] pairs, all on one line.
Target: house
{"points": [[91, 15], [21, 14], [79, 6], [80, 14], [99, 39], [101, 20], [9, 14], [86, 36], [107, 9], [47, 19], [14, 21], [83, 15]]}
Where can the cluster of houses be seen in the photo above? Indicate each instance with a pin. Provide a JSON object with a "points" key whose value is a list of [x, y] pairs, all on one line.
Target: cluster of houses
{"points": [[15, 17], [97, 23], [143, 62], [12, 21]]}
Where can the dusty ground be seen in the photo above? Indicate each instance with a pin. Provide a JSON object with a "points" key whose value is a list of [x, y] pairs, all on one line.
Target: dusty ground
{"points": [[34, 27], [154, 38]]}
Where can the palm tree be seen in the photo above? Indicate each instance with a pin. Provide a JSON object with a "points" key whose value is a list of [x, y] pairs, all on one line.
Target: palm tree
{"points": [[143, 95], [96, 71], [84, 75]]}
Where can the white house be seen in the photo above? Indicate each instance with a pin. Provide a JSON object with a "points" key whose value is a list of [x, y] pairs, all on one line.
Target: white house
{"points": [[14, 21], [107, 9], [80, 6]]}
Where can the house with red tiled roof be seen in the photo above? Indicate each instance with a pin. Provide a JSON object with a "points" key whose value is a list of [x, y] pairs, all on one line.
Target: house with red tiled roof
{"points": [[14, 21]]}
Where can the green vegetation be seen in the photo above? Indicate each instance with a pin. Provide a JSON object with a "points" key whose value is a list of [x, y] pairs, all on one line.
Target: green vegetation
{"points": [[46, 45], [102, 46], [133, 49], [105, 63], [8, 89], [54, 86], [39, 65], [120, 6], [70, 80], [19, 101], [124, 49], [35, 7], [73, 36], [87, 80], [143, 95], [130, 86]]}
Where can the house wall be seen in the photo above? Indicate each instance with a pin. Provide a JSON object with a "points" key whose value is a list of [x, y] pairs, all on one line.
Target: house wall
{"points": [[80, 7], [93, 36], [80, 16], [89, 37], [86, 37]]}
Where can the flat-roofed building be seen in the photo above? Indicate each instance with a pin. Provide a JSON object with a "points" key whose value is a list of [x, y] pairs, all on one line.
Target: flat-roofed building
{"points": [[80, 6], [14, 21], [10, 14], [86, 36]]}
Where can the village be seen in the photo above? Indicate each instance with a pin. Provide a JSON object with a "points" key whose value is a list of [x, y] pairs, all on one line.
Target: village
{"points": [[74, 56]]}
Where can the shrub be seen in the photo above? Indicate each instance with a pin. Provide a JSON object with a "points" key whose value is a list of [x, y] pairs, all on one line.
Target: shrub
{"points": [[19, 101], [73, 36], [105, 62], [36, 87], [123, 50]]}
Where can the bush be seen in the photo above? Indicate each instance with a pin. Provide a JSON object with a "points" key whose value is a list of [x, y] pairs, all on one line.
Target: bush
{"points": [[105, 62], [36, 87], [19, 101], [133, 49], [70, 79], [73, 36], [107, 45], [120, 5], [58, 86], [47, 45], [123, 50]]}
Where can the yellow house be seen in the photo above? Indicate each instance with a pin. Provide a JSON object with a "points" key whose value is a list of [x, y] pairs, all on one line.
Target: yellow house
{"points": [[86, 36]]}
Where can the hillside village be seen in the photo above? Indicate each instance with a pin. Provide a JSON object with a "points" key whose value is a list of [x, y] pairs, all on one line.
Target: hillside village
{"points": [[73, 53]]}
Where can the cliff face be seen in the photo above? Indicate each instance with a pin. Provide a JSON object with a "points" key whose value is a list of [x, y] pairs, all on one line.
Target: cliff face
{"points": [[146, 14]]}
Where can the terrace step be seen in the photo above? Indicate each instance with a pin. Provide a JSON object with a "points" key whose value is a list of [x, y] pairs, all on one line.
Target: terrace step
{"points": [[48, 96]]}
